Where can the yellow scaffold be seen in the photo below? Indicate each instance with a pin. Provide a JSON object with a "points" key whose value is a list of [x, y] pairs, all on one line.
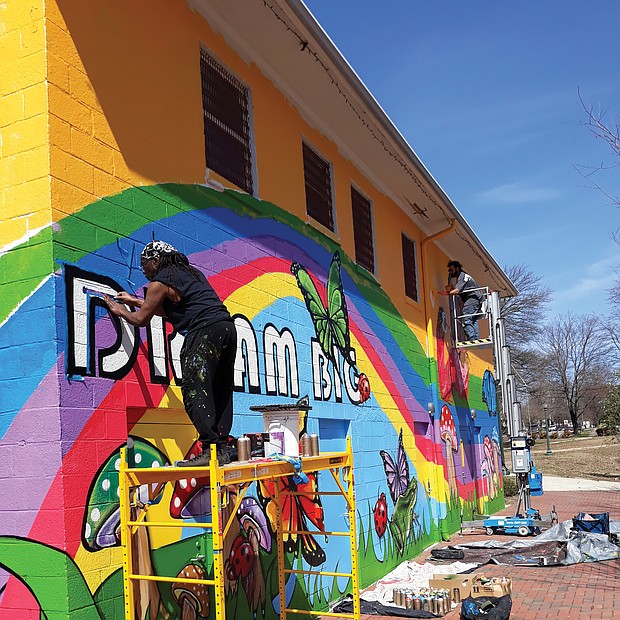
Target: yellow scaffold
{"points": [[134, 508]]}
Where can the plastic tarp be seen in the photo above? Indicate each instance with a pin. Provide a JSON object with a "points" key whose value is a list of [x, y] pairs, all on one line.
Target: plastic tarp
{"points": [[559, 545]]}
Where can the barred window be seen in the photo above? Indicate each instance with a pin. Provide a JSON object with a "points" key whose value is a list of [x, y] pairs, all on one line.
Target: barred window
{"points": [[409, 268], [318, 181], [225, 106], [362, 231]]}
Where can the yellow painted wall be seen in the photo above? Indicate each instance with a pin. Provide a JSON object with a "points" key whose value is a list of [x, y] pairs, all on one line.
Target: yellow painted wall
{"points": [[24, 151], [125, 109], [101, 96]]}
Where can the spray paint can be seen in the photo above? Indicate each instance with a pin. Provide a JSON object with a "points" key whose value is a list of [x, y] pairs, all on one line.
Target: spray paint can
{"points": [[314, 442], [417, 603], [408, 600], [447, 606], [243, 449], [426, 603], [306, 445]]}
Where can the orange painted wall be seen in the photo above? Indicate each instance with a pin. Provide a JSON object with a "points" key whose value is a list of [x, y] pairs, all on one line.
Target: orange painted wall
{"points": [[102, 69]]}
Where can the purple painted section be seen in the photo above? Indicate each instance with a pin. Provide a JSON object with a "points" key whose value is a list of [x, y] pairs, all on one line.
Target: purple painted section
{"points": [[232, 254], [29, 449], [33, 457]]}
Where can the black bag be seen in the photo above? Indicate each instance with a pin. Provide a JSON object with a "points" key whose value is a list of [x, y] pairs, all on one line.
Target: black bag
{"points": [[447, 554], [486, 607]]}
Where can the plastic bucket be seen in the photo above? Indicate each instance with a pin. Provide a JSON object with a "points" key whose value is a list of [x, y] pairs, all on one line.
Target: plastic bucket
{"points": [[283, 428]]}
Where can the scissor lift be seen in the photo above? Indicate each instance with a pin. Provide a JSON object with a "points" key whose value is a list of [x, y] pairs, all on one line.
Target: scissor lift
{"points": [[240, 476], [460, 340]]}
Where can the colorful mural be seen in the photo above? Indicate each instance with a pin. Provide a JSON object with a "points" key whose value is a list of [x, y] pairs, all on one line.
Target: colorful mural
{"points": [[91, 178], [305, 325]]}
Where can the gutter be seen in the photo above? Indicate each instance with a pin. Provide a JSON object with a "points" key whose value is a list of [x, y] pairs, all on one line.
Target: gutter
{"points": [[327, 46]]}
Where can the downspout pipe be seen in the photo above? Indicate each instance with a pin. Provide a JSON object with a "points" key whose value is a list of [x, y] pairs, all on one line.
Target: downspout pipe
{"points": [[425, 292], [434, 398]]}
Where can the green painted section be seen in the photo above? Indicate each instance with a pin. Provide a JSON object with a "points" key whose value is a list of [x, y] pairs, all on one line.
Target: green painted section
{"points": [[52, 576], [116, 217], [22, 270]]}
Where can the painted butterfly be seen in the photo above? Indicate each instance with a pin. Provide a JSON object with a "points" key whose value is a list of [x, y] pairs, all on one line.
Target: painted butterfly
{"points": [[296, 511], [397, 474], [331, 323]]}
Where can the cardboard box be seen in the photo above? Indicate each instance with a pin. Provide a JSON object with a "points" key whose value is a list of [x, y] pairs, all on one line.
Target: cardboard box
{"points": [[449, 582], [496, 586]]}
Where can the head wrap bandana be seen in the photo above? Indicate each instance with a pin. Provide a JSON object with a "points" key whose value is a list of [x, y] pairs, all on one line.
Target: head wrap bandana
{"points": [[155, 249]]}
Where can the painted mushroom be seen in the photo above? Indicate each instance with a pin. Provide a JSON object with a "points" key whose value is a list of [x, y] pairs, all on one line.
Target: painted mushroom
{"points": [[102, 516], [241, 560], [243, 564], [193, 598], [363, 387], [447, 428], [252, 518], [448, 434], [191, 496], [488, 453], [460, 372]]}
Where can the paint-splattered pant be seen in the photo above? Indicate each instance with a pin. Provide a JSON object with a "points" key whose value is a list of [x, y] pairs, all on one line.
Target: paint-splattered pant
{"points": [[207, 363], [471, 308]]}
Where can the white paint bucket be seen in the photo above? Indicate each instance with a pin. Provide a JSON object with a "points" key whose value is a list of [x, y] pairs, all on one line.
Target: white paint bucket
{"points": [[283, 428]]}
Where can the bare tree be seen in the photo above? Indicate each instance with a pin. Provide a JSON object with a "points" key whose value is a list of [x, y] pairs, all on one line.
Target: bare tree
{"points": [[524, 317], [602, 128], [612, 322], [577, 351]]}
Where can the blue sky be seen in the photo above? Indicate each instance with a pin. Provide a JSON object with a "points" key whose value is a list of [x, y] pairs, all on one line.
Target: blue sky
{"points": [[486, 93]]}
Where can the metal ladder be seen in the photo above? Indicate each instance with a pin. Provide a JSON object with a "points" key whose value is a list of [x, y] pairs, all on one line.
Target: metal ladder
{"points": [[133, 513]]}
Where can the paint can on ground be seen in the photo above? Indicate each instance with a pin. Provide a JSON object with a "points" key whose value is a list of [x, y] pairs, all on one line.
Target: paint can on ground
{"points": [[447, 606], [426, 603], [408, 600]]}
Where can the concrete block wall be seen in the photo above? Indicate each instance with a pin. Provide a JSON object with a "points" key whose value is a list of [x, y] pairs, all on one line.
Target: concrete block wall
{"points": [[124, 161]]}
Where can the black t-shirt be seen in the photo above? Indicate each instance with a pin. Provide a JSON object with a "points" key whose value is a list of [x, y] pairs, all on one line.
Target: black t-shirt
{"points": [[199, 305]]}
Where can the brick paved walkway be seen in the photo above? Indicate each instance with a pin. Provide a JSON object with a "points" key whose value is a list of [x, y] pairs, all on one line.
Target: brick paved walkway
{"points": [[578, 592]]}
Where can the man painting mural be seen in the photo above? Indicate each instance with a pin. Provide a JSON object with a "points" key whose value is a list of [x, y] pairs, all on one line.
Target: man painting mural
{"points": [[182, 295], [471, 296]]}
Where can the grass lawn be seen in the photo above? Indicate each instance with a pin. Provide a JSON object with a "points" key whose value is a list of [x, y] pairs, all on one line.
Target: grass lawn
{"points": [[596, 458]]}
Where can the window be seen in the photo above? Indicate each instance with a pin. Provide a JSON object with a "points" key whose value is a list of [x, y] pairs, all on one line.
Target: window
{"points": [[227, 123], [318, 180], [362, 231], [409, 267]]}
